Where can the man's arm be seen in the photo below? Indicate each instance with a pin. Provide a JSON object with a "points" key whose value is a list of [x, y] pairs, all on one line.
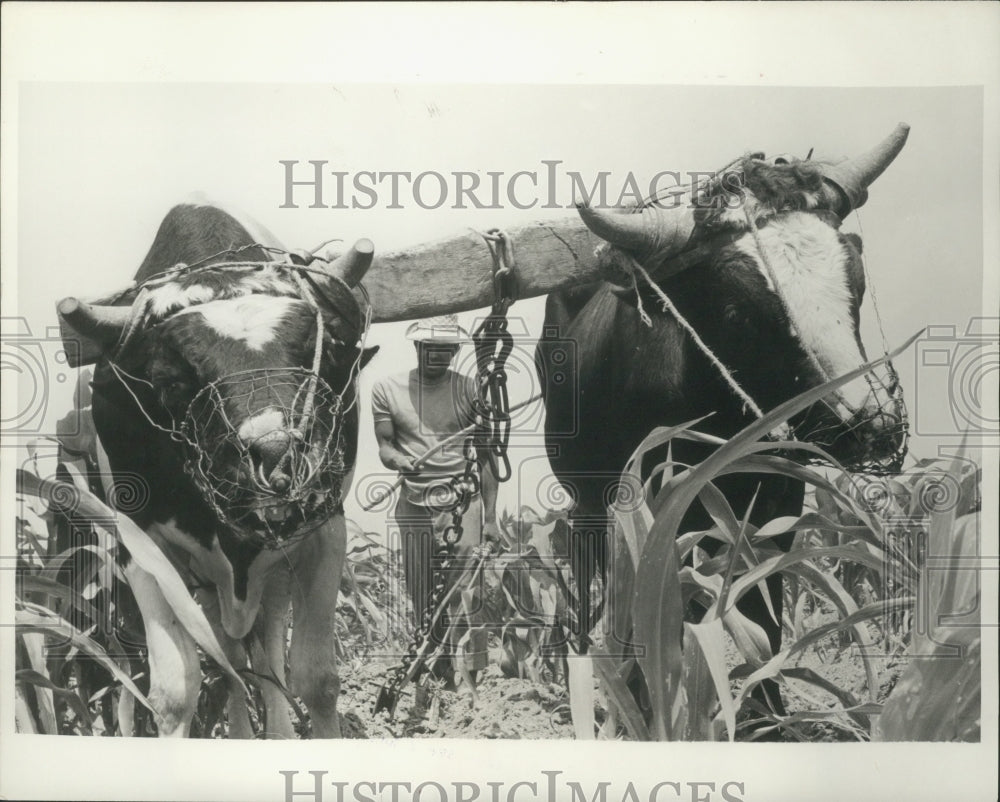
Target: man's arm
{"points": [[385, 433], [392, 457]]}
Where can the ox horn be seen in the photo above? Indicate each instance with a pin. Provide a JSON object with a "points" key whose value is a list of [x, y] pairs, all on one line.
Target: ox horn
{"points": [[665, 231], [352, 266], [654, 230], [87, 331], [853, 177]]}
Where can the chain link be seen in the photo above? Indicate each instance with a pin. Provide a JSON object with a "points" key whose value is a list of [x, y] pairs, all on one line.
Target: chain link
{"points": [[493, 344]]}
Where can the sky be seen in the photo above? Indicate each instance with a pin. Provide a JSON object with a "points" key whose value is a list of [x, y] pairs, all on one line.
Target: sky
{"points": [[99, 164]]}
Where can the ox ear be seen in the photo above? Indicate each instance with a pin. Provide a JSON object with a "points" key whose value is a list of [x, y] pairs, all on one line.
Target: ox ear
{"points": [[368, 354]]}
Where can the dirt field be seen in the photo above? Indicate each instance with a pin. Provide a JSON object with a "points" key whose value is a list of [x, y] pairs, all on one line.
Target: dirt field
{"points": [[519, 708]]}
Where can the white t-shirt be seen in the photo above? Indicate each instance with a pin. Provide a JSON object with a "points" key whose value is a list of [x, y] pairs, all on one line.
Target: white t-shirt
{"points": [[423, 414]]}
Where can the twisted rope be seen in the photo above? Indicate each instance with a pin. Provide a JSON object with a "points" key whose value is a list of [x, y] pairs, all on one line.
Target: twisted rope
{"points": [[668, 306]]}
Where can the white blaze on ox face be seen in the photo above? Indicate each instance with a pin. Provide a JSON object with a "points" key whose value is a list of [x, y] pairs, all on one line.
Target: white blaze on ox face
{"points": [[253, 319], [810, 264], [171, 297]]}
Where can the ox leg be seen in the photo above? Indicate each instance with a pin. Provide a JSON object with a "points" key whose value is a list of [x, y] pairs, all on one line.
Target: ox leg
{"points": [[313, 660], [268, 653], [174, 671], [236, 705], [587, 544], [237, 715]]}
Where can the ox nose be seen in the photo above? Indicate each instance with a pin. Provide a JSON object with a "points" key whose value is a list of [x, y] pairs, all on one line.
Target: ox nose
{"points": [[268, 452]]}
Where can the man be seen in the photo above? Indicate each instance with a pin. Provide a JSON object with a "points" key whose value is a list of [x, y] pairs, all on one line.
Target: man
{"points": [[413, 412]]}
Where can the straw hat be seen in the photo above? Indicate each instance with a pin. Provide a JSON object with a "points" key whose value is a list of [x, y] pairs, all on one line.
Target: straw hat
{"points": [[439, 329]]}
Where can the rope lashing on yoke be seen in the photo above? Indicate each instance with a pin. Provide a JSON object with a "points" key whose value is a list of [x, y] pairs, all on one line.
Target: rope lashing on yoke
{"points": [[782, 432], [311, 469], [491, 431]]}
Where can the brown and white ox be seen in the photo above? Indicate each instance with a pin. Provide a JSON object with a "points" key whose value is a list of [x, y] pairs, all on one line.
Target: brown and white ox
{"points": [[772, 288], [200, 388]]}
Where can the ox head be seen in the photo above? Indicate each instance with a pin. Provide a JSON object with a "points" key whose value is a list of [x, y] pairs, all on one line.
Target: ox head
{"points": [[250, 370], [756, 262]]}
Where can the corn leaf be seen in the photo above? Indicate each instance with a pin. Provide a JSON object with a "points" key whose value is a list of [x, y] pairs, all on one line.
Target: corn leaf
{"points": [[708, 658], [748, 636], [619, 694], [39, 680], [775, 665], [33, 618], [34, 647], [658, 614], [852, 707], [146, 554]]}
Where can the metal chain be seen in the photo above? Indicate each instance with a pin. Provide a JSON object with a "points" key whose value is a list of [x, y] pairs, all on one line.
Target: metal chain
{"points": [[493, 344], [464, 487]]}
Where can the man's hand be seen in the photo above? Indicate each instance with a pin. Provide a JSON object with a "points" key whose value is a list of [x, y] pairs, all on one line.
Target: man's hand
{"points": [[491, 534], [405, 465]]}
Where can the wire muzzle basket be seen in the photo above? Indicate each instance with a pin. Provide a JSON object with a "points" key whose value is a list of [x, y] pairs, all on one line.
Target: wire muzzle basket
{"points": [[268, 483]]}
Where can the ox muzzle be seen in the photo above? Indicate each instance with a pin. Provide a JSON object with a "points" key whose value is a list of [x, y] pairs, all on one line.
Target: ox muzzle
{"points": [[870, 434], [265, 448]]}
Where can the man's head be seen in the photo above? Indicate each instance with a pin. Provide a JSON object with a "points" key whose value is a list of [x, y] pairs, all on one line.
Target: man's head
{"points": [[437, 340]]}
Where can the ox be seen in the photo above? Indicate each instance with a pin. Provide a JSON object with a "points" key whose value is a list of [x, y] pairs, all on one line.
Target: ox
{"points": [[230, 388], [719, 264]]}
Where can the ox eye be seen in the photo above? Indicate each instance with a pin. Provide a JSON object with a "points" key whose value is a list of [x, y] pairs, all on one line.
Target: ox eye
{"points": [[172, 390]]}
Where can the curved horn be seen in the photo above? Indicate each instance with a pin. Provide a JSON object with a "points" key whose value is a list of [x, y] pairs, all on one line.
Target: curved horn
{"points": [[352, 266], [853, 177], [87, 331], [654, 230]]}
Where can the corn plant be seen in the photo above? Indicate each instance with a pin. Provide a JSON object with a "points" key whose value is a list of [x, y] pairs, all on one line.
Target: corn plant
{"points": [[372, 616], [530, 595], [81, 663], [938, 697], [841, 547]]}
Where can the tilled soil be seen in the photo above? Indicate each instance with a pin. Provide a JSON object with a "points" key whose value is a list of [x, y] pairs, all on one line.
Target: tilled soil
{"points": [[506, 708], [510, 707]]}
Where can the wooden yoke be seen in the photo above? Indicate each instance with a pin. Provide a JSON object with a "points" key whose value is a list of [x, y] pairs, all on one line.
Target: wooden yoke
{"points": [[456, 274]]}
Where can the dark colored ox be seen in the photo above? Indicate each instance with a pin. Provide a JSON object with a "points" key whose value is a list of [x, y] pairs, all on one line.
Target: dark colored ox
{"points": [[201, 383], [776, 342]]}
